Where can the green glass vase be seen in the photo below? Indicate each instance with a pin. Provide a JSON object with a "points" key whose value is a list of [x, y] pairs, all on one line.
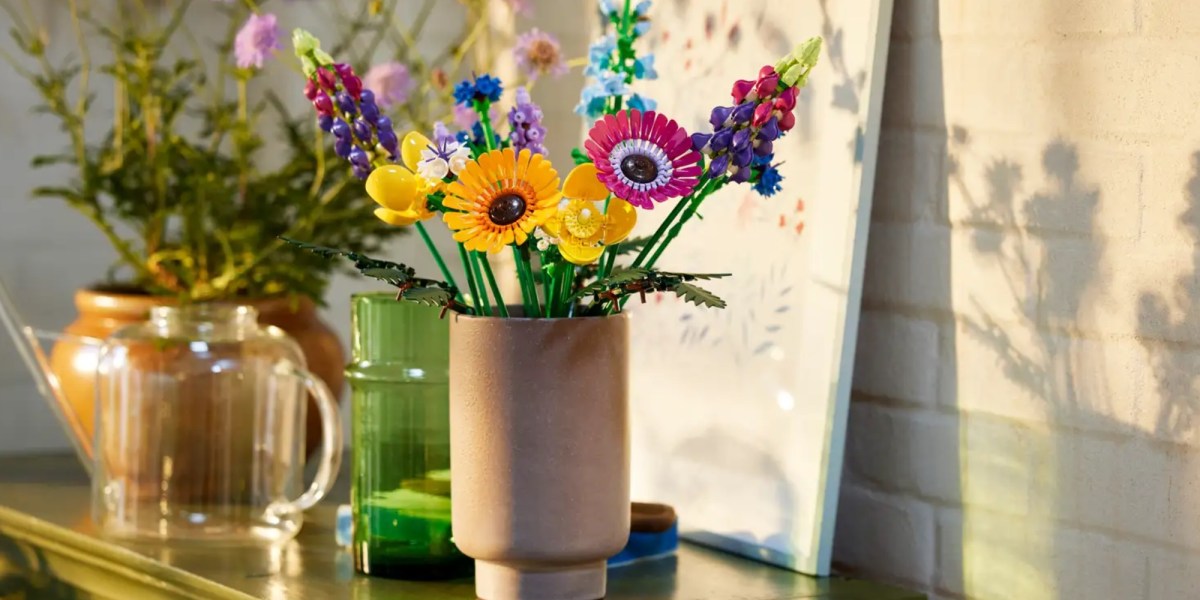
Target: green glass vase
{"points": [[400, 436]]}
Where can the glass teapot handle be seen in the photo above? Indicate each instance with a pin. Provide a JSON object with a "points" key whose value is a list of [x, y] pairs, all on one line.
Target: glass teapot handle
{"points": [[331, 443]]}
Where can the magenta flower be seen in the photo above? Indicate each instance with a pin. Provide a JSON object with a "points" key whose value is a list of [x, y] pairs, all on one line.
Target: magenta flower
{"points": [[539, 53], [391, 83], [643, 158], [256, 40]]}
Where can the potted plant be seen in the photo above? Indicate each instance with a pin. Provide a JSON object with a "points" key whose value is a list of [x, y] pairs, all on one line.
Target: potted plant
{"points": [[195, 177], [538, 402]]}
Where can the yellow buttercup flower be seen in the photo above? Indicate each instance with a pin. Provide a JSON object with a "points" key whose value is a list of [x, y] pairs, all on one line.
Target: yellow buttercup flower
{"points": [[582, 227], [401, 192], [500, 198]]}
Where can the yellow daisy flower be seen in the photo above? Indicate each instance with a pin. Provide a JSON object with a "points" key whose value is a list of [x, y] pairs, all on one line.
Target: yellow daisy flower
{"points": [[500, 198], [582, 227], [401, 193]]}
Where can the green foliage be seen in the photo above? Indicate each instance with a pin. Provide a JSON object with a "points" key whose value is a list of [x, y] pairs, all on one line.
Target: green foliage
{"points": [[178, 181], [579, 157], [429, 292], [641, 281]]}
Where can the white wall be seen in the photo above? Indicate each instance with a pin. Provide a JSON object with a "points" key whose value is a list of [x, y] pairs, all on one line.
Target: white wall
{"points": [[47, 250], [1025, 418]]}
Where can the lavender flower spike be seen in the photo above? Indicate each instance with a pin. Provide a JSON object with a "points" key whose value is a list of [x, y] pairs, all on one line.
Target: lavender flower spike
{"points": [[526, 121]]}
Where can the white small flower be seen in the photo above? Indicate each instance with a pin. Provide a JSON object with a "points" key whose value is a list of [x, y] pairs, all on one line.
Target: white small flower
{"points": [[434, 169], [459, 159]]}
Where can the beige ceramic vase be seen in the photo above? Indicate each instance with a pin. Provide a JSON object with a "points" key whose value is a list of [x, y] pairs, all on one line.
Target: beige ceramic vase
{"points": [[539, 452]]}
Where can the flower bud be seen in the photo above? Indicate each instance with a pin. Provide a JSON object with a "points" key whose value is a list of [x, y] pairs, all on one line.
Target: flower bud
{"points": [[359, 158], [325, 76], [353, 84], [741, 87], [340, 129], [719, 115], [346, 103], [743, 112], [323, 104], [342, 147], [362, 130]]}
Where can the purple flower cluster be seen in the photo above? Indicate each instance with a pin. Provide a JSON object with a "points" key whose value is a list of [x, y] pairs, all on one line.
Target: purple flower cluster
{"points": [[744, 135], [351, 114], [255, 41], [525, 120]]}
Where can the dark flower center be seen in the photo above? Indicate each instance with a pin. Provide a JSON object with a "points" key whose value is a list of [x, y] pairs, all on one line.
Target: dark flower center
{"points": [[507, 209], [639, 168]]}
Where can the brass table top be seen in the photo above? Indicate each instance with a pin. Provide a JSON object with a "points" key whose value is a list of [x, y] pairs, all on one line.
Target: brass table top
{"points": [[50, 549]]}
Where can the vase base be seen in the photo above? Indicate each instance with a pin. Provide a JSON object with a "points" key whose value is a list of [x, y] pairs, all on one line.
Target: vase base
{"points": [[499, 581]]}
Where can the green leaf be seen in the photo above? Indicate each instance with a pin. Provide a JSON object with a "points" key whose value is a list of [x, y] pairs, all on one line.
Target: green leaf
{"points": [[579, 157], [698, 296], [429, 296], [390, 275]]}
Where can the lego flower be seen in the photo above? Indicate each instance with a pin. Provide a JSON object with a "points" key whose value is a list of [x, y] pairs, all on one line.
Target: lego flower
{"points": [[391, 82], [538, 53], [580, 226], [525, 124], [256, 40], [500, 198], [643, 157], [402, 192]]}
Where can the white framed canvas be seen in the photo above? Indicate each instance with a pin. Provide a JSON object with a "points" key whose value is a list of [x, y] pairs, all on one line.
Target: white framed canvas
{"points": [[738, 415]]}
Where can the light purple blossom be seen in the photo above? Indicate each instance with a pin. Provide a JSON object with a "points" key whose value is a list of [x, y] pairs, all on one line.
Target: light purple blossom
{"points": [[391, 83], [525, 120], [256, 40], [539, 53]]}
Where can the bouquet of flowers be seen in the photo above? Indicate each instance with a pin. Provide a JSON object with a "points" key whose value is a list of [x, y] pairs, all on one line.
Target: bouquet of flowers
{"points": [[499, 192]]}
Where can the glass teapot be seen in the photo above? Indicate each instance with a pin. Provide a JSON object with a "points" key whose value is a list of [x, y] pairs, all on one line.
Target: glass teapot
{"points": [[200, 426]]}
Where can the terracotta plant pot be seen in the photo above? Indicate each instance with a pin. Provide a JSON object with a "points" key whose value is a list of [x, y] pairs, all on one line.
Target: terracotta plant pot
{"points": [[539, 452], [101, 313]]}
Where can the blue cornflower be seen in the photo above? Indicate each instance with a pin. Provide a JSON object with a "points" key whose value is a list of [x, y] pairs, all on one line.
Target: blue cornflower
{"points": [[464, 92], [642, 8], [488, 87], [643, 68], [768, 182], [484, 87], [641, 27]]}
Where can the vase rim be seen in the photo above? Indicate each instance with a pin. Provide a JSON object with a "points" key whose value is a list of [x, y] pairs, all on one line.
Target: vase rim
{"points": [[536, 319]]}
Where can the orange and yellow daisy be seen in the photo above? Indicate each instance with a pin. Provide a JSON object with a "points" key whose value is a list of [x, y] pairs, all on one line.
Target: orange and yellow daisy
{"points": [[500, 198]]}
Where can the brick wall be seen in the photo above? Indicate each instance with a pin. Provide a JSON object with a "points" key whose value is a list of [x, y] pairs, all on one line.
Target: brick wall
{"points": [[1025, 420]]}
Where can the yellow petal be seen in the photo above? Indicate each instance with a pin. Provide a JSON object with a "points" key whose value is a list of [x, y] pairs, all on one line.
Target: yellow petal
{"points": [[583, 184], [411, 147], [553, 226], [580, 255], [394, 187], [507, 237], [392, 217], [457, 220], [622, 216]]}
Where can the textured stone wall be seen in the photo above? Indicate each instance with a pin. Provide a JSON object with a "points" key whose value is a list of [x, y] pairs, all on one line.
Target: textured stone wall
{"points": [[1024, 421]]}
